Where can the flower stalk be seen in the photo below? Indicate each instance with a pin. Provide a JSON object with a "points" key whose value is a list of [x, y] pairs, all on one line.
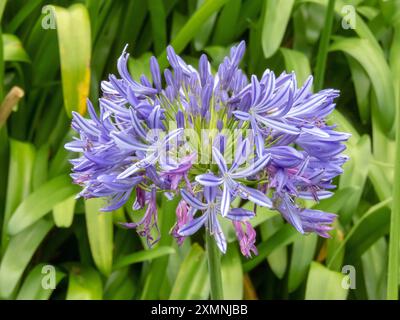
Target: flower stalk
{"points": [[214, 268]]}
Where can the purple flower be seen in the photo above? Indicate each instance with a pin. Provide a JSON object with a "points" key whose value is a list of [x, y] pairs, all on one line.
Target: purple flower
{"points": [[184, 214], [305, 220], [246, 236], [149, 221], [178, 171], [268, 110], [139, 142], [230, 187], [209, 217]]}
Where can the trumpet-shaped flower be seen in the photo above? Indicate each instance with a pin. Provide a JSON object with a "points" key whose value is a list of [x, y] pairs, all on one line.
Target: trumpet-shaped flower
{"points": [[209, 218], [227, 178]]}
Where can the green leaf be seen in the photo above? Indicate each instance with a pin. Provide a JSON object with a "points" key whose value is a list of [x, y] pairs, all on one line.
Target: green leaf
{"points": [[248, 14], [298, 62], [120, 285], [4, 165], [337, 201], [22, 157], [141, 256], [18, 254], [201, 37], [303, 253], [374, 263], [217, 54], [232, 273], [374, 64], [40, 202], [343, 124], [192, 280], [33, 289], [355, 175], [372, 226], [84, 283], [276, 18], [2, 6], [39, 172], [382, 186], [74, 42], [278, 259], [391, 11], [362, 86], [254, 51], [191, 27], [225, 29], [368, 12], [322, 55], [393, 265], [158, 25], [23, 13], [178, 21], [335, 260], [359, 26], [324, 284], [13, 49], [308, 21], [366, 231], [140, 66], [383, 148], [63, 212], [100, 232], [109, 23]]}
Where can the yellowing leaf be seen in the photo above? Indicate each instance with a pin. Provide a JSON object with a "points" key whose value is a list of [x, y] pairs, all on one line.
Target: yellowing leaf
{"points": [[74, 42]]}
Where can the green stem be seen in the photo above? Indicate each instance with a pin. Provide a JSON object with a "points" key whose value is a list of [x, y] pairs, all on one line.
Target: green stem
{"points": [[158, 267], [324, 47], [214, 268]]}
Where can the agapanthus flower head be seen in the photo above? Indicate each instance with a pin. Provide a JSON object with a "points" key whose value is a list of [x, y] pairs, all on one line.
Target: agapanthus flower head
{"points": [[209, 139]]}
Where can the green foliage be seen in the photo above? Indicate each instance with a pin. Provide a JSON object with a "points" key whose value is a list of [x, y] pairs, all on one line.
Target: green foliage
{"points": [[324, 284], [58, 55]]}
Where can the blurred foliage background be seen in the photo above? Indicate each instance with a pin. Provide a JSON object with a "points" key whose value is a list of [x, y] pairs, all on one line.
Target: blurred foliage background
{"points": [[53, 55]]}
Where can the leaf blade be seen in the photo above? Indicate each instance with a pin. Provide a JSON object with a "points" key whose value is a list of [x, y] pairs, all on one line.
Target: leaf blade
{"points": [[13, 265], [274, 26], [319, 279], [74, 41], [99, 227], [40, 202]]}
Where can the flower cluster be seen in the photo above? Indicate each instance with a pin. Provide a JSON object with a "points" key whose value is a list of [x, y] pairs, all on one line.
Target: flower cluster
{"points": [[210, 139]]}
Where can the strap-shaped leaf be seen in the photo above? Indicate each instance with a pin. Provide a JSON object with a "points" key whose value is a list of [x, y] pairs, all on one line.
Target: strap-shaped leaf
{"points": [[18, 254], [325, 284], [100, 232], [40, 202], [74, 42]]}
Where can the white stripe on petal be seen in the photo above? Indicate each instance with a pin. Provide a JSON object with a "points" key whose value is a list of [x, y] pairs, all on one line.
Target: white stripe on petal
{"points": [[208, 179], [225, 201]]}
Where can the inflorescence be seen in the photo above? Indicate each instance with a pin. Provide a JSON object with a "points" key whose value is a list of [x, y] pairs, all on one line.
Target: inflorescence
{"points": [[216, 141]]}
